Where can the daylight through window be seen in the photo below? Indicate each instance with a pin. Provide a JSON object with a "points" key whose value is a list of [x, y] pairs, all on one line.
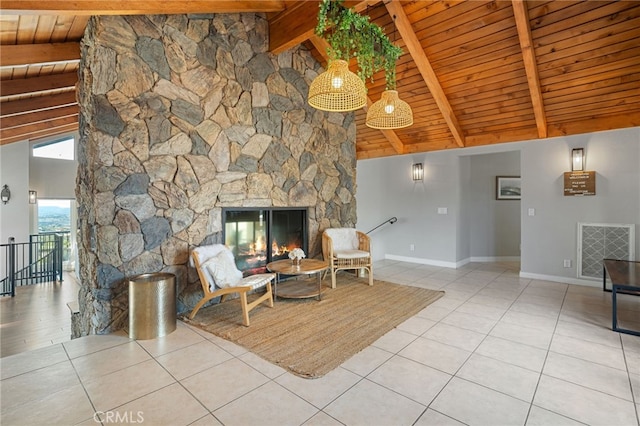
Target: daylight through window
{"points": [[61, 149]]}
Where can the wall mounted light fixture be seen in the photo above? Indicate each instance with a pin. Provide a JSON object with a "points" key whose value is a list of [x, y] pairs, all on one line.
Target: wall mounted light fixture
{"points": [[33, 197], [577, 159], [5, 195], [417, 172]]}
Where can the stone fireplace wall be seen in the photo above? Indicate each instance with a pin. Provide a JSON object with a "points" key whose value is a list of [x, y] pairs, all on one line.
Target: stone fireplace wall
{"points": [[181, 116]]}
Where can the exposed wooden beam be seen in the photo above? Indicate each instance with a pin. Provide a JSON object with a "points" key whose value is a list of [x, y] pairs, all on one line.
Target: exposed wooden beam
{"points": [[38, 84], [394, 7], [20, 120], [521, 14], [21, 54], [129, 7], [22, 106], [298, 21], [40, 129], [321, 45]]}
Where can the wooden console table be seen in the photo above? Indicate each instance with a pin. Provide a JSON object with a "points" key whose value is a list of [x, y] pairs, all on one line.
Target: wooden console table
{"points": [[625, 279]]}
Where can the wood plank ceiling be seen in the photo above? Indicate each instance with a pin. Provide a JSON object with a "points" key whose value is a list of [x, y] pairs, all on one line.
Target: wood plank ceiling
{"points": [[474, 72]]}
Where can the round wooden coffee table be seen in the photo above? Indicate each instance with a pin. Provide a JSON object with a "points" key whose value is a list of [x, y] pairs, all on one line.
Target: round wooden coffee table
{"points": [[298, 289]]}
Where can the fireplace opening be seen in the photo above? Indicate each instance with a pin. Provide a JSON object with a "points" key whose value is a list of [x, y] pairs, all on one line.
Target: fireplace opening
{"points": [[258, 236]]}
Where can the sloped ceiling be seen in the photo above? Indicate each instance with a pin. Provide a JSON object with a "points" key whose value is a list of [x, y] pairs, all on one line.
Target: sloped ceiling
{"points": [[474, 72]]}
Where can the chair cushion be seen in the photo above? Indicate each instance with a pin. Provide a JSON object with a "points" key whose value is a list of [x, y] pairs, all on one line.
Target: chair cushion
{"points": [[351, 254], [343, 238], [223, 270]]}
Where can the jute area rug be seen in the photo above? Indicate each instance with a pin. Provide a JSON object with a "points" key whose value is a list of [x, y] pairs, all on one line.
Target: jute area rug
{"points": [[309, 337]]}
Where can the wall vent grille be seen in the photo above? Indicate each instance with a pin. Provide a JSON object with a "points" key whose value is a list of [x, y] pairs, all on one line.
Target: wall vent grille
{"points": [[598, 241]]}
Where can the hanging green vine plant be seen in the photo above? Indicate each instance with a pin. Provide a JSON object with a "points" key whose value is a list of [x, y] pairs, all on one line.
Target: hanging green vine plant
{"points": [[351, 35]]}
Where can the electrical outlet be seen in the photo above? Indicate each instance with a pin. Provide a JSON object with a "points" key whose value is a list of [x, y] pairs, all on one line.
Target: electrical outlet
{"points": [[412, 247], [532, 212], [567, 263]]}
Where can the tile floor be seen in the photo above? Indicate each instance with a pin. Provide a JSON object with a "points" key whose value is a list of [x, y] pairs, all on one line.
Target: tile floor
{"points": [[496, 350]]}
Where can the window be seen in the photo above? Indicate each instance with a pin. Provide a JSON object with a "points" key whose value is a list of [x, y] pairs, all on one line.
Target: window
{"points": [[61, 149], [54, 216]]}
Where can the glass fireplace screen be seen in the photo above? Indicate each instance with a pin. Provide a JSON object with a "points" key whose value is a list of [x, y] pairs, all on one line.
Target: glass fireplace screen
{"points": [[260, 236]]}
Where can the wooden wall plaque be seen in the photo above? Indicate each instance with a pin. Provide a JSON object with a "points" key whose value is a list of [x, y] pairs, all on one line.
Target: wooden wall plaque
{"points": [[579, 183]]}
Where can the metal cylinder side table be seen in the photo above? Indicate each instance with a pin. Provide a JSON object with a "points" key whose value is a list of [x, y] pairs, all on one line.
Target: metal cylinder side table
{"points": [[152, 305]]}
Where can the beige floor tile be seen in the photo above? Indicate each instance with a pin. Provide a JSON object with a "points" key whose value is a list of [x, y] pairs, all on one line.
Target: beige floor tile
{"points": [[107, 361], [514, 353], [588, 351], [630, 342], [263, 366], [582, 404], [496, 302], [411, 379], [232, 348], [469, 322], [207, 420], [433, 418], [267, 405], [323, 390], [200, 356], [500, 376], [477, 405], [416, 325], [525, 335], [395, 340], [94, 343], [455, 336], [541, 417], [70, 406], [633, 362], [590, 333], [539, 322], [484, 311], [434, 313], [170, 406], [368, 403], [322, 419], [522, 305], [14, 365], [435, 354], [224, 383], [182, 337], [37, 384], [588, 374], [500, 293], [367, 360], [447, 302], [111, 391]]}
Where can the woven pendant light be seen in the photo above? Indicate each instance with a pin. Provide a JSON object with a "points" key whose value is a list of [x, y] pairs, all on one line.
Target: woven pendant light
{"points": [[389, 112], [337, 89]]}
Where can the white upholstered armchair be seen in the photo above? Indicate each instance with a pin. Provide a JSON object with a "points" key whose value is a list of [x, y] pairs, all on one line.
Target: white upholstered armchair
{"points": [[346, 248], [220, 277]]}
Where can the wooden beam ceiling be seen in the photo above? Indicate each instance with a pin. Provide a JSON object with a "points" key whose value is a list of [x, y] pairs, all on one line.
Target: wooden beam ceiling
{"points": [[43, 53], [38, 84], [394, 7], [135, 7], [531, 68]]}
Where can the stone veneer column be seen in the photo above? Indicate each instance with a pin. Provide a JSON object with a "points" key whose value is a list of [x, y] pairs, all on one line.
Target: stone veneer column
{"points": [[181, 116]]}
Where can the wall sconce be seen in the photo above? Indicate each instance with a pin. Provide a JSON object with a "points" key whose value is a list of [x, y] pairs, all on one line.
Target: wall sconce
{"points": [[417, 172], [5, 195], [577, 159], [33, 197]]}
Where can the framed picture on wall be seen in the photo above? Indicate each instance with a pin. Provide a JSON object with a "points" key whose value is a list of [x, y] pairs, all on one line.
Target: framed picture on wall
{"points": [[508, 188]]}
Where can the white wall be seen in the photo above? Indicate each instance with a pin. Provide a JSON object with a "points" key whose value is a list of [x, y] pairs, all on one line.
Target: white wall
{"points": [[385, 189], [551, 235], [14, 171], [52, 178]]}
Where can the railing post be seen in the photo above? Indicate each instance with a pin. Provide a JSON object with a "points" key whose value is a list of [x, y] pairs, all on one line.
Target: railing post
{"points": [[12, 265], [58, 256]]}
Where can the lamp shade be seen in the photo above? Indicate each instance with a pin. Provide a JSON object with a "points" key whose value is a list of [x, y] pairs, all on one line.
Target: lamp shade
{"points": [[390, 112], [337, 89], [577, 159]]}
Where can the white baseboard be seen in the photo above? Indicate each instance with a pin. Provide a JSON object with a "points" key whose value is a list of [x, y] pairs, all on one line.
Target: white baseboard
{"points": [[495, 259], [421, 261], [564, 280]]}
